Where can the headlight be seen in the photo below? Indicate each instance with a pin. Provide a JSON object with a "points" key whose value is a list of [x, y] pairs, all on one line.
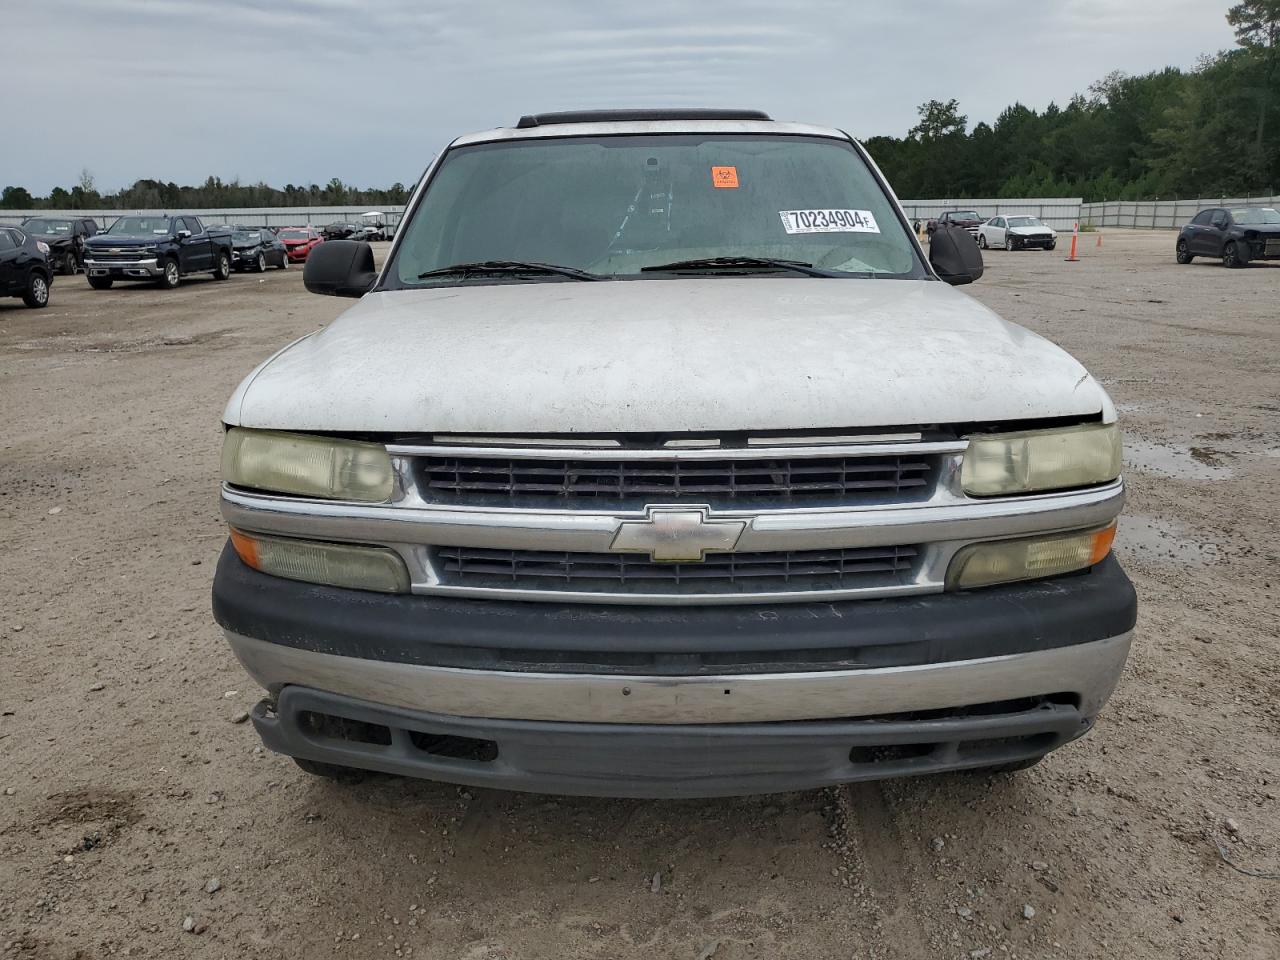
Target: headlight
{"points": [[306, 465], [1006, 561], [1032, 460], [335, 564]]}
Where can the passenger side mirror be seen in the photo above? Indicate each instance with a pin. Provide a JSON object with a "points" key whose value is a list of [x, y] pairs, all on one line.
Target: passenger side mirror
{"points": [[954, 255], [184, 234], [340, 268]]}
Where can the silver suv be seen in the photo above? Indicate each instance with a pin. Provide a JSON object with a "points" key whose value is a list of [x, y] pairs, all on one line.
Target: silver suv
{"points": [[658, 460]]}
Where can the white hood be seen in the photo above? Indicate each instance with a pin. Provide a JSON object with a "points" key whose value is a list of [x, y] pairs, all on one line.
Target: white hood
{"points": [[705, 354]]}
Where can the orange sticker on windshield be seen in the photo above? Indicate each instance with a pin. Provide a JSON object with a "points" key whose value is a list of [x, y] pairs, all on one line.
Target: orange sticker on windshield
{"points": [[722, 177]]}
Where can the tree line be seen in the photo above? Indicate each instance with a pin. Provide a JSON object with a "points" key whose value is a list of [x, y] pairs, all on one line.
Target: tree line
{"points": [[1213, 130], [1210, 131], [214, 193]]}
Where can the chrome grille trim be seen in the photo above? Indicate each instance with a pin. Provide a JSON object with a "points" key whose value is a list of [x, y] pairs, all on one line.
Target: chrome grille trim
{"points": [[941, 526], [723, 573], [861, 449], [939, 518]]}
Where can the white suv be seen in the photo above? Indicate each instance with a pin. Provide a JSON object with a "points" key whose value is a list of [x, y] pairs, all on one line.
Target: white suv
{"points": [[658, 460]]}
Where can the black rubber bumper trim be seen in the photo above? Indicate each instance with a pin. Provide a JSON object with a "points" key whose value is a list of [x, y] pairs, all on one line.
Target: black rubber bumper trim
{"points": [[622, 760], [442, 631]]}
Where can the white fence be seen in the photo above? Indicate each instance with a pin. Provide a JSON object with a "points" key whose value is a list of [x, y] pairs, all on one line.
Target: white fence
{"points": [[1055, 211], [1161, 214], [1061, 213], [249, 216]]}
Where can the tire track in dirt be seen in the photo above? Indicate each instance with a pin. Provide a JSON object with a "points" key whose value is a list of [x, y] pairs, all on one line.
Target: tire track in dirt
{"points": [[885, 872]]}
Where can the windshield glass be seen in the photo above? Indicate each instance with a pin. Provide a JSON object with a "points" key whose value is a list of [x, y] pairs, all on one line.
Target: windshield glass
{"points": [[614, 205], [48, 227], [964, 215], [244, 236], [1255, 215], [294, 235], [141, 226], [1025, 222]]}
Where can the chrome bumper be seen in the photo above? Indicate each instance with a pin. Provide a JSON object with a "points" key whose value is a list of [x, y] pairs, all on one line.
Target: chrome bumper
{"points": [[129, 268], [1089, 671]]}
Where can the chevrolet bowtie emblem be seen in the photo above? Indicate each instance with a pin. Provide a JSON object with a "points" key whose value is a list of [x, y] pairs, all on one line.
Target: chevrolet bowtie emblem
{"points": [[677, 534]]}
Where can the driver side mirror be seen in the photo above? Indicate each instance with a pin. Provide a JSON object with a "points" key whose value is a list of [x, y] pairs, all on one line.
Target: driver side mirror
{"points": [[184, 234], [954, 255], [340, 268]]}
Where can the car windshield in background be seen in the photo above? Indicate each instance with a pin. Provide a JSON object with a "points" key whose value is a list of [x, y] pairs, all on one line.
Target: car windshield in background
{"points": [[140, 226], [1025, 222], [294, 235], [243, 237], [1255, 216], [966, 215], [614, 206], [48, 227]]}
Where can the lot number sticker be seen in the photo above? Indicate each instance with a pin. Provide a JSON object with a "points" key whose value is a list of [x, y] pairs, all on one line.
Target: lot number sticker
{"points": [[828, 221]]}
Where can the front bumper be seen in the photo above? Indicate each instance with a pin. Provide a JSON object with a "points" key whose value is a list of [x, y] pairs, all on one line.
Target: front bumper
{"points": [[679, 701], [1266, 248], [124, 269], [655, 760]]}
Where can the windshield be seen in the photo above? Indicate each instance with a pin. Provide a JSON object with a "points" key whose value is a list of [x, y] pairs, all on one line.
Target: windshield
{"points": [[141, 226], [1255, 215], [1025, 222], [294, 235], [242, 237], [964, 215], [612, 206], [48, 227]]}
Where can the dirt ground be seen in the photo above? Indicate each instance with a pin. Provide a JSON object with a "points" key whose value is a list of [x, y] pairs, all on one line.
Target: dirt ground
{"points": [[131, 799]]}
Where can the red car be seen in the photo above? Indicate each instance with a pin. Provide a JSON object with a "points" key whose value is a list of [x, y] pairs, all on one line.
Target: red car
{"points": [[299, 241]]}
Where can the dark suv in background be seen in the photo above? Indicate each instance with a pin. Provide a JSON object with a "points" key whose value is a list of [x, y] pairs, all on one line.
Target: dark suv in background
{"points": [[968, 220], [1236, 234], [339, 230], [24, 267], [65, 237]]}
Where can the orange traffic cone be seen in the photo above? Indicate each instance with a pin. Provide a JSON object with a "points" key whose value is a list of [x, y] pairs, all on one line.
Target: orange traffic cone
{"points": [[1099, 243], [1075, 235]]}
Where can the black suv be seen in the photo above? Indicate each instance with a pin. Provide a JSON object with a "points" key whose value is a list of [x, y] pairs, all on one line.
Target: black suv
{"points": [[24, 267], [65, 237], [339, 230]]}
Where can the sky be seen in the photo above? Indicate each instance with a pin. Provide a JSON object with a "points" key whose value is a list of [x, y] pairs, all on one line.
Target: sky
{"points": [[300, 91]]}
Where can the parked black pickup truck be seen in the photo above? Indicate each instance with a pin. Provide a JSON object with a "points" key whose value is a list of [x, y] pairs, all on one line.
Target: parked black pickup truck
{"points": [[161, 248]]}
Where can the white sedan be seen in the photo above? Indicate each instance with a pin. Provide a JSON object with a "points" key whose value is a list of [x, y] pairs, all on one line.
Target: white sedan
{"points": [[1016, 233]]}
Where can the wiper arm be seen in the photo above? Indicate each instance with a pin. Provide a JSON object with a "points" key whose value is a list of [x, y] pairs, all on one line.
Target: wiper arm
{"points": [[730, 263], [509, 266]]}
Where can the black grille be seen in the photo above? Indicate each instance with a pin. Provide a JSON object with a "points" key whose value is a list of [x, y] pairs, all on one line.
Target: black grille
{"points": [[774, 481], [776, 571]]}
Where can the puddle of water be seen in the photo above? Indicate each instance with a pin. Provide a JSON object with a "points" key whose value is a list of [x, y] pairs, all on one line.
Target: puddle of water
{"points": [[1182, 462], [1146, 538]]}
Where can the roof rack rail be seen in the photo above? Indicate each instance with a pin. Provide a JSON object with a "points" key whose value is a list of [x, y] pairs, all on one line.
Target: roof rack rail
{"points": [[605, 116]]}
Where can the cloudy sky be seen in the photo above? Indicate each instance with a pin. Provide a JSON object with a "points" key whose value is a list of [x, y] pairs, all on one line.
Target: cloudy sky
{"points": [[299, 91]]}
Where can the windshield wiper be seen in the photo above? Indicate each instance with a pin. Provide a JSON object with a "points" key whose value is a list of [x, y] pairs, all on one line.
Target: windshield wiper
{"points": [[737, 263], [509, 266]]}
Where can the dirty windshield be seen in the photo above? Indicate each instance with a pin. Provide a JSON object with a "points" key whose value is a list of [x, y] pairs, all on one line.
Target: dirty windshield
{"points": [[614, 206]]}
